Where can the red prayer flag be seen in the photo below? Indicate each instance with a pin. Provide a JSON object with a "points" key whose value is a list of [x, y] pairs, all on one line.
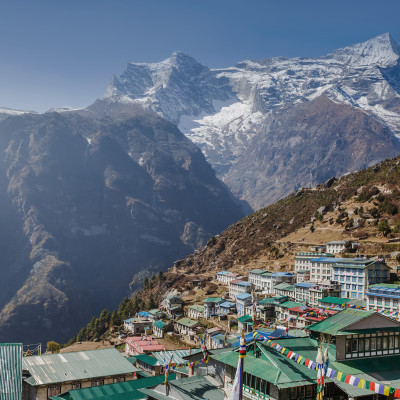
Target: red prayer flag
{"points": [[372, 386], [397, 393]]}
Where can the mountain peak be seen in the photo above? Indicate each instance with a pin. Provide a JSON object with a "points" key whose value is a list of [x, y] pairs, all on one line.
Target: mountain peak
{"points": [[381, 50]]}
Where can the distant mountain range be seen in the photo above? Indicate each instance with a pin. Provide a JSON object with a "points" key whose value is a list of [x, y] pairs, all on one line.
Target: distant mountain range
{"points": [[267, 126]]}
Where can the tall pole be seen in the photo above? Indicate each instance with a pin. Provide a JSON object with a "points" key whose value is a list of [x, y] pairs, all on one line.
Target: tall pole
{"points": [[254, 323], [237, 389]]}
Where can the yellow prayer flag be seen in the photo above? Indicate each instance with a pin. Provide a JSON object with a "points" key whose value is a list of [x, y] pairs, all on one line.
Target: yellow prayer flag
{"points": [[283, 350], [339, 376], [361, 384], [299, 359], [386, 391]]}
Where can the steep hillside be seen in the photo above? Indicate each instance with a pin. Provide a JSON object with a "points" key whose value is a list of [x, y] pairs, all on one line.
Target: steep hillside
{"points": [[350, 208], [86, 203], [273, 108]]}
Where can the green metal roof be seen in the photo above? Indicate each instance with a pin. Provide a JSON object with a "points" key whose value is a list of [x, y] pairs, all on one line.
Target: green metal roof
{"points": [[334, 300], [55, 368], [336, 324], [388, 285], [259, 271], [245, 318], [290, 304], [197, 308], [159, 324], [155, 311], [116, 391], [187, 322], [145, 358], [285, 286], [214, 300]]}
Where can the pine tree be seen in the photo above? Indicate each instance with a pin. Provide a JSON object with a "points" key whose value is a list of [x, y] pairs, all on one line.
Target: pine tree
{"points": [[115, 319], [151, 304]]}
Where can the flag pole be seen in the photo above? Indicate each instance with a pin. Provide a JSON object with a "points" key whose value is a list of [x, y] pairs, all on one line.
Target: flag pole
{"points": [[237, 389]]}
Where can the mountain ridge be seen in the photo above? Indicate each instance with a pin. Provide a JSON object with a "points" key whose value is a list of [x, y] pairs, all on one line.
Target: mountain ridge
{"points": [[228, 119]]}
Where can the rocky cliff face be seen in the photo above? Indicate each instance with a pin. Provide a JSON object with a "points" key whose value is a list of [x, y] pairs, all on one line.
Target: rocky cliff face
{"points": [[228, 111], [87, 202]]}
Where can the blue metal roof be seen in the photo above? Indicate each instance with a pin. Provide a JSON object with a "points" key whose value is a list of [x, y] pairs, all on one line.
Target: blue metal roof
{"points": [[227, 304], [243, 296], [305, 284], [244, 283], [282, 274], [143, 314]]}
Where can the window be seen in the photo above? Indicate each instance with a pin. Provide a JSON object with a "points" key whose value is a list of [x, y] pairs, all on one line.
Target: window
{"points": [[98, 382], [354, 279], [360, 345], [354, 287], [118, 379], [342, 279], [353, 295], [76, 385], [53, 390], [347, 286], [347, 279], [379, 343]]}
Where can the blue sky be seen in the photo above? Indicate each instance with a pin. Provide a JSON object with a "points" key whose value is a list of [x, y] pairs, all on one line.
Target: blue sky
{"points": [[63, 53]]}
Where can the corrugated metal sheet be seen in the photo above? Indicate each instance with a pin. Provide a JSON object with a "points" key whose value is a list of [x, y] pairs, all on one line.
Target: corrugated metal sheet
{"points": [[56, 368], [117, 391], [10, 371]]}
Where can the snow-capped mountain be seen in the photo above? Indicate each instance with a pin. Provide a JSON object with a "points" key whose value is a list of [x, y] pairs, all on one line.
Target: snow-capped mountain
{"points": [[6, 112], [226, 111]]}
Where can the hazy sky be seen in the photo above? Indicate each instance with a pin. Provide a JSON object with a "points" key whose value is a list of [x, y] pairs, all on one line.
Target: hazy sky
{"points": [[63, 53]]}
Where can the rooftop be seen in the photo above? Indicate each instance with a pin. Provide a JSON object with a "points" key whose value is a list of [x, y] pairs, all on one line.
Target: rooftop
{"points": [[213, 300], [243, 296], [159, 324], [285, 286], [128, 390], [337, 324], [197, 308], [305, 284], [245, 318], [145, 358], [187, 322], [334, 300], [290, 304], [227, 304], [55, 368]]}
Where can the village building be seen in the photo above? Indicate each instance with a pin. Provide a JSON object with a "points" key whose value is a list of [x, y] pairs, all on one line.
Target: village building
{"points": [[353, 274], [51, 374], [149, 364], [138, 325], [255, 278], [226, 308], [237, 287], [156, 314], [210, 307], [266, 309], [303, 275], [384, 297], [226, 277], [323, 289], [269, 281], [196, 311], [135, 345], [174, 305], [159, 328], [336, 247], [186, 327], [243, 300], [285, 289], [245, 323], [356, 275], [302, 260], [282, 309], [302, 292]]}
